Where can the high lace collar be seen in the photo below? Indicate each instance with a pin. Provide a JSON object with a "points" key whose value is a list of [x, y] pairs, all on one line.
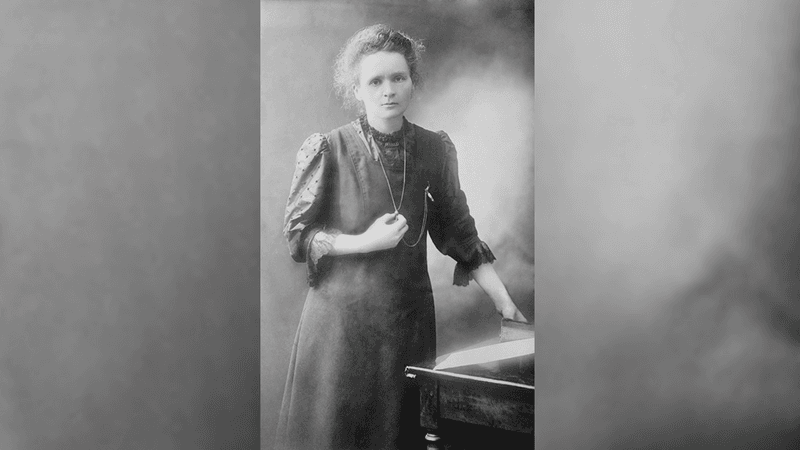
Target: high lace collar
{"points": [[383, 138]]}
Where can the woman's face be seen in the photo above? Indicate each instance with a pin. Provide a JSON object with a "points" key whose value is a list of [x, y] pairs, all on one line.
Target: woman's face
{"points": [[384, 86]]}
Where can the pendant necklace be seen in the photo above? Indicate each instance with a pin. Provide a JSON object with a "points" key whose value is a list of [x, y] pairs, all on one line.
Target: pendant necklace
{"points": [[403, 192]]}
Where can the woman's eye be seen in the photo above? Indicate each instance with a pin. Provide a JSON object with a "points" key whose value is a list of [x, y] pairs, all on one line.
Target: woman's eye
{"points": [[374, 82], [399, 78]]}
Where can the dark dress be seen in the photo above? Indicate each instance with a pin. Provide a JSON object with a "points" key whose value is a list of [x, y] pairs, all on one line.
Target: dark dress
{"points": [[367, 316]]}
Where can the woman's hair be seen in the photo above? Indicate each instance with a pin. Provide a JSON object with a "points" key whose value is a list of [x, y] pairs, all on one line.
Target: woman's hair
{"points": [[369, 40]]}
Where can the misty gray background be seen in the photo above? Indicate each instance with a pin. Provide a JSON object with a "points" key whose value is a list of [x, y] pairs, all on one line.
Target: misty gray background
{"points": [[478, 88], [667, 221], [128, 225]]}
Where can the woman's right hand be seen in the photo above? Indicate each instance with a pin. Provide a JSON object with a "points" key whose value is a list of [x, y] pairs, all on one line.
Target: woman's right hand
{"points": [[384, 233]]}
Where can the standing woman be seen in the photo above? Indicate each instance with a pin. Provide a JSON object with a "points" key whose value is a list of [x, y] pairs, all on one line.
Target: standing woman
{"points": [[362, 198]]}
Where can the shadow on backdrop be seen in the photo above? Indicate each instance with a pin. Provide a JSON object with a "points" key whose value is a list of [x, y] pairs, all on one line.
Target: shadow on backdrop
{"points": [[479, 88], [128, 225]]}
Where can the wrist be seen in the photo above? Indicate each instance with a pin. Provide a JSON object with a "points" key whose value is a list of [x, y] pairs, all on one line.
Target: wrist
{"points": [[502, 300], [348, 243]]}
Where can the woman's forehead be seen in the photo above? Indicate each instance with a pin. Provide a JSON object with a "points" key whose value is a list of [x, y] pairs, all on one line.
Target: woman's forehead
{"points": [[383, 62]]}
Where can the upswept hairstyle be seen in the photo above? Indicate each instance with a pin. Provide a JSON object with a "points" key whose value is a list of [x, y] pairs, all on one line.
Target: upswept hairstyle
{"points": [[369, 40]]}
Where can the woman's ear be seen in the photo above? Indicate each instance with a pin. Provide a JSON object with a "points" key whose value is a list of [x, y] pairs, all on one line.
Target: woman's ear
{"points": [[356, 92]]}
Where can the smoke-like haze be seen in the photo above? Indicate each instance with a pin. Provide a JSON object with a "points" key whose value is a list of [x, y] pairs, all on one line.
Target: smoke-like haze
{"points": [[478, 88], [667, 299], [486, 109]]}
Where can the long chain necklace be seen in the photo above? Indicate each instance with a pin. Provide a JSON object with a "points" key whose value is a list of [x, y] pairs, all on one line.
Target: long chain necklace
{"points": [[403, 193]]}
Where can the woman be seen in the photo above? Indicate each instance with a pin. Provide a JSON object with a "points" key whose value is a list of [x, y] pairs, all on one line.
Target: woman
{"points": [[362, 199]]}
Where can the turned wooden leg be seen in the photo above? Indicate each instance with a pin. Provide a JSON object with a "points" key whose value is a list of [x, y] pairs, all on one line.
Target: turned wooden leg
{"points": [[433, 440], [432, 437]]}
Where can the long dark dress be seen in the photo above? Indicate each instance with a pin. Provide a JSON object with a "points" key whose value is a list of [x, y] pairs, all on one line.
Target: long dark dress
{"points": [[367, 316]]}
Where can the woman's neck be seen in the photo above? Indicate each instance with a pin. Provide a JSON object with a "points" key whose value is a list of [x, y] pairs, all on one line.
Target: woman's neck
{"points": [[386, 126]]}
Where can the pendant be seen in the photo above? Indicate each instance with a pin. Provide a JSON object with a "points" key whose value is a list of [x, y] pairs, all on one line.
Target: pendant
{"points": [[427, 192]]}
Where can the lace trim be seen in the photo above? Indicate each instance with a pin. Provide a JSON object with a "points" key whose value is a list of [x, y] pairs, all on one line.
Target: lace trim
{"points": [[481, 255], [390, 146], [320, 245], [392, 139]]}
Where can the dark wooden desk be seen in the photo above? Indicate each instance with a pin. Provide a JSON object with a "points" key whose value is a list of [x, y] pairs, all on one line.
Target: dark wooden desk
{"points": [[494, 401]]}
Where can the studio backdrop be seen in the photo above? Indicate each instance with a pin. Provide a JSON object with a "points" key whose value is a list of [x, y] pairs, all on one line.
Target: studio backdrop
{"points": [[478, 87]]}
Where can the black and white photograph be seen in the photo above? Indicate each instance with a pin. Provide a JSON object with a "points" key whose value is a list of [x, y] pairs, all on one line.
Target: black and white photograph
{"points": [[397, 225], [352, 225]]}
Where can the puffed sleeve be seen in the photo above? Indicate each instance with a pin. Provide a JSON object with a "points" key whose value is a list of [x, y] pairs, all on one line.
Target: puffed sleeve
{"points": [[451, 227], [306, 200]]}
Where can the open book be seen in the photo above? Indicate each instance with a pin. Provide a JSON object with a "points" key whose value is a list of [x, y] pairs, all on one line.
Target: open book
{"points": [[516, 340]]}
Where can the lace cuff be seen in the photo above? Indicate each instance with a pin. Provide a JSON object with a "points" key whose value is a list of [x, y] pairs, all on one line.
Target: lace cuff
{"points": [[319, 245], [482, 254]]}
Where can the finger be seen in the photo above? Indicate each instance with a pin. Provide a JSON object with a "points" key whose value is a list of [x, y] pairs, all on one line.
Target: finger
{"points": [[401, 220], [387, 218], [403, 230]]}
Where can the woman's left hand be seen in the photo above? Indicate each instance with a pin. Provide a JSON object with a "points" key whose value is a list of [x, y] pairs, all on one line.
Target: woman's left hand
{"points": [[511, 312], [487, 278]]}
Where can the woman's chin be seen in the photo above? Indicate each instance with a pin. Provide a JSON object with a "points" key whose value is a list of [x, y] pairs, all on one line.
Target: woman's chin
{"points": [[388, 116]]}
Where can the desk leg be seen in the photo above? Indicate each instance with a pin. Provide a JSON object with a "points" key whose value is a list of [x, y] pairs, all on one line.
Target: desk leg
{"points": [[429, 405], [429, 412], [432, 437], [433, 441]]}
